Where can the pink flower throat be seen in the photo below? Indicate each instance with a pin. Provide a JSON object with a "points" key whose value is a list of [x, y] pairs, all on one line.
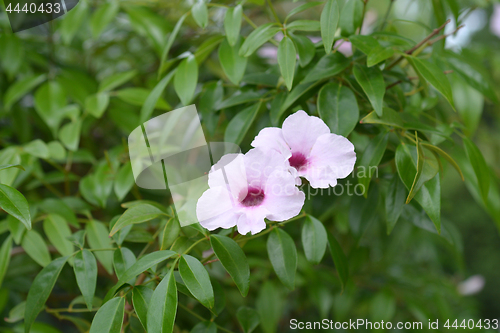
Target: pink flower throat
{"points": [[298, 160], [254, 197]]}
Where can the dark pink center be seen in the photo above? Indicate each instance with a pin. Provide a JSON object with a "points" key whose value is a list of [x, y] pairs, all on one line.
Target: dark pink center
{"points": [[298, 160], [254, 197]]}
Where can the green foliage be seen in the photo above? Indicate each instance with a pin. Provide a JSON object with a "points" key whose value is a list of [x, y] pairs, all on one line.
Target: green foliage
{"points": [[71, 93]]}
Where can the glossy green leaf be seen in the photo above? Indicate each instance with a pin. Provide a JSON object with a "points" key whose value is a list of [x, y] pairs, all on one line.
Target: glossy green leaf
{"points": [[170, 233], [305, 49], [435, 76], [370, 160], [394, 202], [56, 150], [231, 62], [141, 298], [139, 96], [234, 261], [328, 66], [36, 248], [200, 13], [196, 278], [163, 306], [115, 80], [339, 259], [109, 318], [258, 37], [185, 79], [59, 207], [372, 83], [283, 255], [85, 267], [123, 259], [136, 214], [70, 134], [57, 231], [97, 236], [302, 8], [102, 17], [96, 104], [8, 166], [50, 100], [37, 148], [232, 23], [20, 88], [40, 290], [479, 165], [170, 42], [314, 239], [124, 181], [142, 264], [5, 257], [153, 98], [269, 305], [240, 124], [329, 21], [287, 58], [338, 108], [303, 25], [73, 20], [389, 117], [445, 155], [237, 99], [205, 327], [294, 95], [15, 204], [248, 319], [365, 44], [379, 54], [351, 17]]}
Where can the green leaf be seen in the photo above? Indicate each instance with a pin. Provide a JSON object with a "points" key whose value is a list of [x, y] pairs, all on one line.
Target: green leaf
{"points": [[283, 255], [206, 48], [57, 231], [124, 181], [351, 17], [185, 79], [139, 96], [205, 327], [232, 23], [85, 267], [104, 14], [20, 88], [11, 53], [329, 21], [365, 44], [96, 104], [327, 66], [287, 58], [59, 207], [305, 49], [231, 62], [141, 298], [170, 42], [170, 233], [97, 236], [113, 81], [123, 259], [434, 75], [8, 166], [248, 319], [339, 259], [370, 160], [394, 202], [238, 98], [240, 124], [40, 290], [296, 93], [270, 305], [338, 108], [153, 99], [378, 54], [196, 278], [258, 37], [200, 13], [360, 212], [136, 214], [5, 257], [15, 204], [144, 263], [234, 261], [371, 81], [302, 8], [429, 195], [56, 150], [78, 238], [70, 134], [9, 155], [480, 167], [161, 313], [72, 21], [445, 156], [314, 239], [97, 187], [389, 117], [303, 25], [109, 318], [50, 100], [383, 306]]}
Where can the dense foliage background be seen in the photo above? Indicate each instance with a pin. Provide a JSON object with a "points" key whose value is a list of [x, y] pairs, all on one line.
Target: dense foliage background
{"points": [[421, 107]]}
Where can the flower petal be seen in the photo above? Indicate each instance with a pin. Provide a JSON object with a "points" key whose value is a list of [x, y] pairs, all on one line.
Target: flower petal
{"points": [[332, 157], [283, 199], [260, 164], [252, 221], [301, 131], [272, 138], [215, 209], [229, 172]]}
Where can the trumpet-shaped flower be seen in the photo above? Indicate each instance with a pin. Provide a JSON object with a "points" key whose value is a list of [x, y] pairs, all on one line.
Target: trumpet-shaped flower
{"points": [[310, 149], [246, 189]]}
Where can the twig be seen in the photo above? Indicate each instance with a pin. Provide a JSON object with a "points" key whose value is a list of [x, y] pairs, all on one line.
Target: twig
{"points": [[411, 78], [210, 261]]}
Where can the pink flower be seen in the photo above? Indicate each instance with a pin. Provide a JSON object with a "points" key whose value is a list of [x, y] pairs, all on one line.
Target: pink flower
{"points": [[246, 189], [310, 149]]}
